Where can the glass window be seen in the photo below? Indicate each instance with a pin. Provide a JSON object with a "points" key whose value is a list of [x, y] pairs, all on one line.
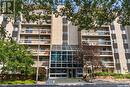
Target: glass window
{"points": [[52, 70], [128, 60], [58, 75], [53, 52], [123, 32], [64, 58], [69, 65], [115, 50], [113, 31], [16, 29], [64, 65], [117, 60], [54, 58], [52, 75], [59, 58], [58, 70], [69, 57], [52, 65], [58, 65], [64, 75], [127, 50], [125, 41], [65, 28], [64, 20], [65, 36], [64, 70], [79, 70], [114, 41]]}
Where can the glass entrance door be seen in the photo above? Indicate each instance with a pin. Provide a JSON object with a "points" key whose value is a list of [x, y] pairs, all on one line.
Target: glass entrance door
{"points": [[71, 73]]}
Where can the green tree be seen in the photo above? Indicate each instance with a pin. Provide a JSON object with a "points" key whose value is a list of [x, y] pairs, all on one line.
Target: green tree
{"points": [[86, 14], [15, 58]]}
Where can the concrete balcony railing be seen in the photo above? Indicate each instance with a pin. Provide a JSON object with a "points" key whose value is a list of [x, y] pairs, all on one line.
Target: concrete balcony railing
{"points": [[39, 22], [36, 31], [105, 52], [35, 41], [109, 64], [97, 42], [41, 52], [98, 33]]}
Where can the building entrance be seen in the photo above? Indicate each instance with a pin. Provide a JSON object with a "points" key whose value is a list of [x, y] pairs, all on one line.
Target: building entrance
{"points": [[71, 73]]}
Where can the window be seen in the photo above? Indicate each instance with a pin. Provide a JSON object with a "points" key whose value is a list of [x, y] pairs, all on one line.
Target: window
{"points": [[113, 36], [123, 32], [113, 31], [126, 46], [65, 36], [117, 61], [16, 29], [65, 28], [64, 20], [114, 41], [115, 50], [128, 60], [124, 36], [112, 27], [125, 41]]}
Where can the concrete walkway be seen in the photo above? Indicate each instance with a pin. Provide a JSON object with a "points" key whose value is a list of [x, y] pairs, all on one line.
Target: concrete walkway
{"points": [[81, 82]]}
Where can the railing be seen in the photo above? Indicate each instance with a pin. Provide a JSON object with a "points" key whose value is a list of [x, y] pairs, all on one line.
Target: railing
{"points": [[41, 52], [35, 41], [36, 31], [98, 33], [105, 52], [39, 22], [97, 42]]}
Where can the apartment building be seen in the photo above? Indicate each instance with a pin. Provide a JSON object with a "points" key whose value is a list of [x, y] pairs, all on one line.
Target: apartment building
{"points": [[54, 42]]}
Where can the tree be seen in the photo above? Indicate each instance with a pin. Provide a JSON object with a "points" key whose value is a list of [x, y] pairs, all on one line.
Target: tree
{"points": [[86, 14], [88, 56], [15, 58]]}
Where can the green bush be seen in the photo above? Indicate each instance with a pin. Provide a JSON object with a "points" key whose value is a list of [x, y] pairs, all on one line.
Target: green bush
{"points": [[119, 76], [104, 74], [127, 76], [115, 75]]}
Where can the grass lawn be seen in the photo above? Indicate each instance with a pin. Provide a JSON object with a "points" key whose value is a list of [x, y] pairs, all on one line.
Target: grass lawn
{"points": [[18, 82]]}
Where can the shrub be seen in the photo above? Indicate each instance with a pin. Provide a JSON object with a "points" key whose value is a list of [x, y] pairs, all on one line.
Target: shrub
{"points": [[104, 74], [118, 76], [127, 76]]}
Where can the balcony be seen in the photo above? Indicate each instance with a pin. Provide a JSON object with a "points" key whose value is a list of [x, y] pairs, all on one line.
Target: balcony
{"points": [[41, 52], [36, 31], [108, 64], [97, 33], [97, 42], [39, 22], [35, 41], [105, 53]]}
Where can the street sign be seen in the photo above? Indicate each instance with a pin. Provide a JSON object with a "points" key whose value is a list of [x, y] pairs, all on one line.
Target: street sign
{"points": [[6, 6]]}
